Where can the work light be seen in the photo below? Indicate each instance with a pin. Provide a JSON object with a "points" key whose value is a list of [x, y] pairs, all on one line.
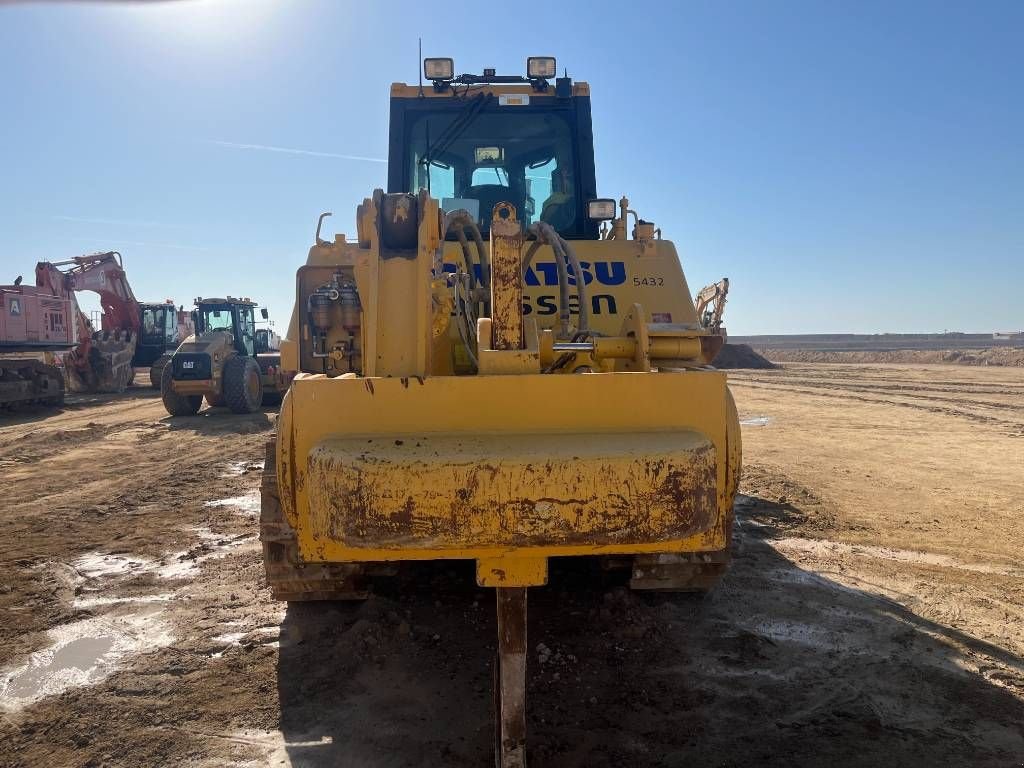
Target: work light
{"points": [[439, 69], [540, 67], [601, 210]]}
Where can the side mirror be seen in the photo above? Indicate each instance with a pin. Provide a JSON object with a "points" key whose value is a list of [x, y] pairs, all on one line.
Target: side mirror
{"points": [[264, 313]]}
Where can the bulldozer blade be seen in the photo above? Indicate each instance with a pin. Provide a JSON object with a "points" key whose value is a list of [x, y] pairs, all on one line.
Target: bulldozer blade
{"points": [[108, 366]]}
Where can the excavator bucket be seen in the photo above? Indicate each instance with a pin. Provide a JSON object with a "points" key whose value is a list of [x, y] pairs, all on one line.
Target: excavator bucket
{"points": [[106, 366]]}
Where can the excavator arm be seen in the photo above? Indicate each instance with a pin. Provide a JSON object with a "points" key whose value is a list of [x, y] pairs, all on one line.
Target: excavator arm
{"points": [[102, 361], [710, 303], [103, 274]]}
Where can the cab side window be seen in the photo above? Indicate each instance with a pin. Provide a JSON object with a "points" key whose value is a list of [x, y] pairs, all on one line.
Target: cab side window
{"points": [[247, 330], [170, 324]]}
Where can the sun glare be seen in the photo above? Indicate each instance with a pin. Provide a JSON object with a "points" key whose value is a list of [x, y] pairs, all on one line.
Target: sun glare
{"points": [[219, 22]]}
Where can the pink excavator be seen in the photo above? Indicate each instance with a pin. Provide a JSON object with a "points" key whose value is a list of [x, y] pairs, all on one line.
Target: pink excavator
{"points": [[45, 320]]}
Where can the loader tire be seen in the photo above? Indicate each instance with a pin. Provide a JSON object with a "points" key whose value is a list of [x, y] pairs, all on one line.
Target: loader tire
{"points": [[243, 387], [177, 405], [156, 371], [215, 401], [287, 576]]}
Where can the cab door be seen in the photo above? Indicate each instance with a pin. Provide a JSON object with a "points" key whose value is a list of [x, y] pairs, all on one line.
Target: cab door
{"points": [[30, 316], [170, 327], [246, 331]]}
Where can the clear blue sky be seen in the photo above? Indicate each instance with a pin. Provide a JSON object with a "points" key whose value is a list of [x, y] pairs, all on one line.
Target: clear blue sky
{"points": [[851, 166]]}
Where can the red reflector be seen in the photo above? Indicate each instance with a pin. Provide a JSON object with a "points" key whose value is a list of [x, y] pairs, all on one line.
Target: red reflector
{"points": [[661, 317]]}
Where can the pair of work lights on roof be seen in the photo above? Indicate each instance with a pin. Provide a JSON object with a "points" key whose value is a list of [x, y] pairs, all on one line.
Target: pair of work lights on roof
{"points": [[537, 68]]}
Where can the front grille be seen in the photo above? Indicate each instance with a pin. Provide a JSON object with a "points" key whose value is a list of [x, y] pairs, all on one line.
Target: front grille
{"points": [[187, 366]]}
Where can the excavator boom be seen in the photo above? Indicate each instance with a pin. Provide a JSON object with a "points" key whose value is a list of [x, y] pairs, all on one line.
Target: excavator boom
{"points": [[710, 304], [102, 361]]}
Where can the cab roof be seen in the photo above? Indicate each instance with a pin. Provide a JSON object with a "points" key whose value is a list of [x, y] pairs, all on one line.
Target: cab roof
{"points": [[229, 300], [406, 91]]}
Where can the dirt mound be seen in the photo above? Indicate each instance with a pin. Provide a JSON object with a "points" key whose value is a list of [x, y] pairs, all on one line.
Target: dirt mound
{"points": [[741, 356], [1007, 356]]}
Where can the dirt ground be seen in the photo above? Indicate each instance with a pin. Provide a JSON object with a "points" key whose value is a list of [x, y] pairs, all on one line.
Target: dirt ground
{"points": [[1012, 356], [873, 615]]}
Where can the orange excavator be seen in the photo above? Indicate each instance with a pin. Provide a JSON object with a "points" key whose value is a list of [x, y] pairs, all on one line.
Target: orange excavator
{"points": [[46, 318], [102, 361]]}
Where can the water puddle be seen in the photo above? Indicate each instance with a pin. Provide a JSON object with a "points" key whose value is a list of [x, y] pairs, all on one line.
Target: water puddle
{"points": [[86, 603], [71, 665], [178, 565], [79, 654], [97, 565], [85, 652], [248, 505], [756, 421], [238, 468], [230, 638]]}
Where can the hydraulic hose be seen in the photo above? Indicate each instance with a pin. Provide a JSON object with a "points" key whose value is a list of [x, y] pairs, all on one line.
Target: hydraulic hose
{"points": [[565, 258], [467, 255], [581, 283], [456, 221], [485, 266]]}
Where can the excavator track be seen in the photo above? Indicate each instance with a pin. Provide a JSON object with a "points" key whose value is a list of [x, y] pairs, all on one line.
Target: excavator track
{"points": [[27, 382], [289, 578]]}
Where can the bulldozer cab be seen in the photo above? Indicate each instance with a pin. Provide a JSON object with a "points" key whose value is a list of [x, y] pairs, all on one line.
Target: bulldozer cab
{"points": [[472, 147], [237, 317]]}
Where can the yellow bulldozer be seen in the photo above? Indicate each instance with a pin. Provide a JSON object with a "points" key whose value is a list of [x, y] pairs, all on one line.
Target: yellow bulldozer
{"points": [[497, 367]]}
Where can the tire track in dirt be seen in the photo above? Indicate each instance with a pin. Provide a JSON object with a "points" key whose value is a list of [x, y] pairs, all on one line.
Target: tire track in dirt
{"points": [[839, 393], [921, 393]]}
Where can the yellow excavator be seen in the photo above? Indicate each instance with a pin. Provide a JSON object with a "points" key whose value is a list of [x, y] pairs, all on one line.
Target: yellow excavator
{"points": [[497, 367], [710, 305]]}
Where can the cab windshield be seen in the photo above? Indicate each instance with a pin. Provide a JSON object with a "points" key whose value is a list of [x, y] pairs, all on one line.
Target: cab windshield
{"points": [[476, 159], [216, 318], [154, 323]]}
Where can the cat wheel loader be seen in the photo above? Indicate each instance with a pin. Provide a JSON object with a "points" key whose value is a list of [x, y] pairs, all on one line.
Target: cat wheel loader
{"points": [[221, 362], [497, 368]]}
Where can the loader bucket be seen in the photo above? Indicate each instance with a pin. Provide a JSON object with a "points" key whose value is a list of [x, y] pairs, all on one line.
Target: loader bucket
{"points": [[106, 368]]}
